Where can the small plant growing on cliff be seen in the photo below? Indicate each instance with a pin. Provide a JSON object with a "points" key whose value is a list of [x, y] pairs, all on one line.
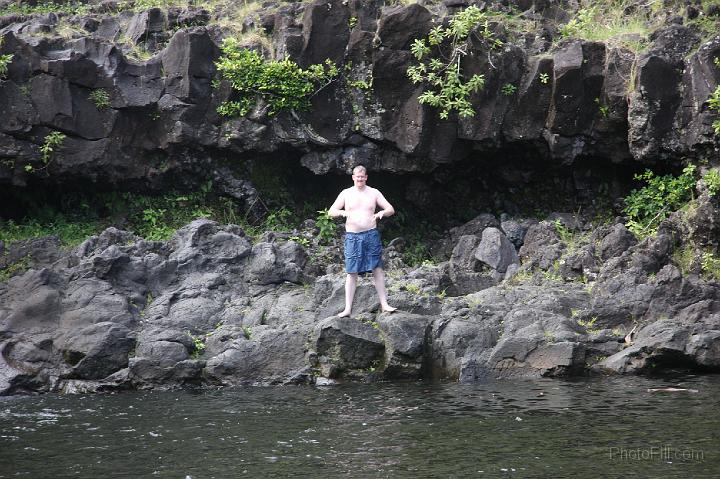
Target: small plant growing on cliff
{"points": [[19, 266], [198, 345], [566, 235], [325, 225], [710, 266], [712, 181], [5, 61], [544, 78], [605, 21], [53, 142], [279, 220], [447, 89], [247, 332], [648, 206], [508, 89], [584, 20], [714, 105], [101, 98], [282, 84], [602, 108]]}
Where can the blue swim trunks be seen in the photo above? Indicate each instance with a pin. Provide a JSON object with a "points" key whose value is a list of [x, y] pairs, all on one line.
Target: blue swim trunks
{"points": [[363, 251]]}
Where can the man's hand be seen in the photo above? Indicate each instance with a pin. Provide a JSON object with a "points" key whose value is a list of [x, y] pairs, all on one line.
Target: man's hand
{"points": [[378, 215]]}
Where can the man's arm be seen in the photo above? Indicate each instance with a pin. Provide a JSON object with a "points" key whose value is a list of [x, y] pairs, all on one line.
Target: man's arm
{"points": [[336, 209], [386, 208]]}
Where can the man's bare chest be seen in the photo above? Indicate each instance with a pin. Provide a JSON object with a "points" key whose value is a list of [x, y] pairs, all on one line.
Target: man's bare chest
{"points": [[360, 201]]}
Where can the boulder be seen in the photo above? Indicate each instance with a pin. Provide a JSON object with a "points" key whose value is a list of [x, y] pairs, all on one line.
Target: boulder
{"points": [[404, 336], [345, 344], [496, 251]]}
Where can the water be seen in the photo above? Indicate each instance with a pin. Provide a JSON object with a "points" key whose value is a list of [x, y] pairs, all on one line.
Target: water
{"points": [[545, 428]]}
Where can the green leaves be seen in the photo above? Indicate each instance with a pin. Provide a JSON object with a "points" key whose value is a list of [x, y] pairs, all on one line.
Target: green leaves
{"points": [[101, 98], [440, 67], [52, 142], [585, 20], [712, 181], [325, 225], [714, 104], [714, 100], [508, 89], [436, 36], [648, 206], [419, 49], [464, 22], [5, 60], [281, 84]]}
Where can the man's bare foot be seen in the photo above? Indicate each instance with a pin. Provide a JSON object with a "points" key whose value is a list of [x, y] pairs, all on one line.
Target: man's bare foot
{"points": [[344, 314], [388, 309]]}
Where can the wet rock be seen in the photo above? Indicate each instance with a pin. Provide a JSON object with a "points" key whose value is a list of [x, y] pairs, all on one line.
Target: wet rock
{"points": [[269, 355], [404, 336], [96, 351], [344, 344]]}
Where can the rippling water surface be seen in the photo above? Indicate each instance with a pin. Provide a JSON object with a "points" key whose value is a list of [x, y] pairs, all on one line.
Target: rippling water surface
{"points": [[546, 428]]}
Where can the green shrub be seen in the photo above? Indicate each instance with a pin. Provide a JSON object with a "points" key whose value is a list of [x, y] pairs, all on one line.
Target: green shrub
{"points": [[714, 100], [566, 234], [648, 206], [5, 61], [712, 181], [70, 231], [101, 98], [279, 220], [53, 141], [282, 84], [152, 217], [198, 344], [710, 267], [714, 105], [20, 266], [416, 253], [326, 226], [442, 73], [508, 89], [583, 21]]}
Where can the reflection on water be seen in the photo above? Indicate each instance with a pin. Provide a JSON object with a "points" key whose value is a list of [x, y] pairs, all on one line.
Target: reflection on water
{"points": [[544, 428]]}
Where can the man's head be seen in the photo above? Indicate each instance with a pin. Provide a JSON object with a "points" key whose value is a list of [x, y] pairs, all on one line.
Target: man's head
{"points": [[359, 176]]}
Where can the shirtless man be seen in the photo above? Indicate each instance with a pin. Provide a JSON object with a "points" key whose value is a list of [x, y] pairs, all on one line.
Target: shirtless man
{"points": [[363, 249]]}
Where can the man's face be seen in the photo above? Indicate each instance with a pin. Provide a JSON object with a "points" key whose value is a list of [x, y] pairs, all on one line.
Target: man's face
{"points": [[359, 178]]}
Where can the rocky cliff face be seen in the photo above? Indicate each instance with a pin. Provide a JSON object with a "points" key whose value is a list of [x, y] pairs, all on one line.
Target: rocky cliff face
{"points": [[595, 100], [511, 297]]}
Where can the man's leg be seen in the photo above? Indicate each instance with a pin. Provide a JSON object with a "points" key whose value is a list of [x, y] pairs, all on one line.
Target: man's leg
{"points": [[379, 278], [350, 285]]}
